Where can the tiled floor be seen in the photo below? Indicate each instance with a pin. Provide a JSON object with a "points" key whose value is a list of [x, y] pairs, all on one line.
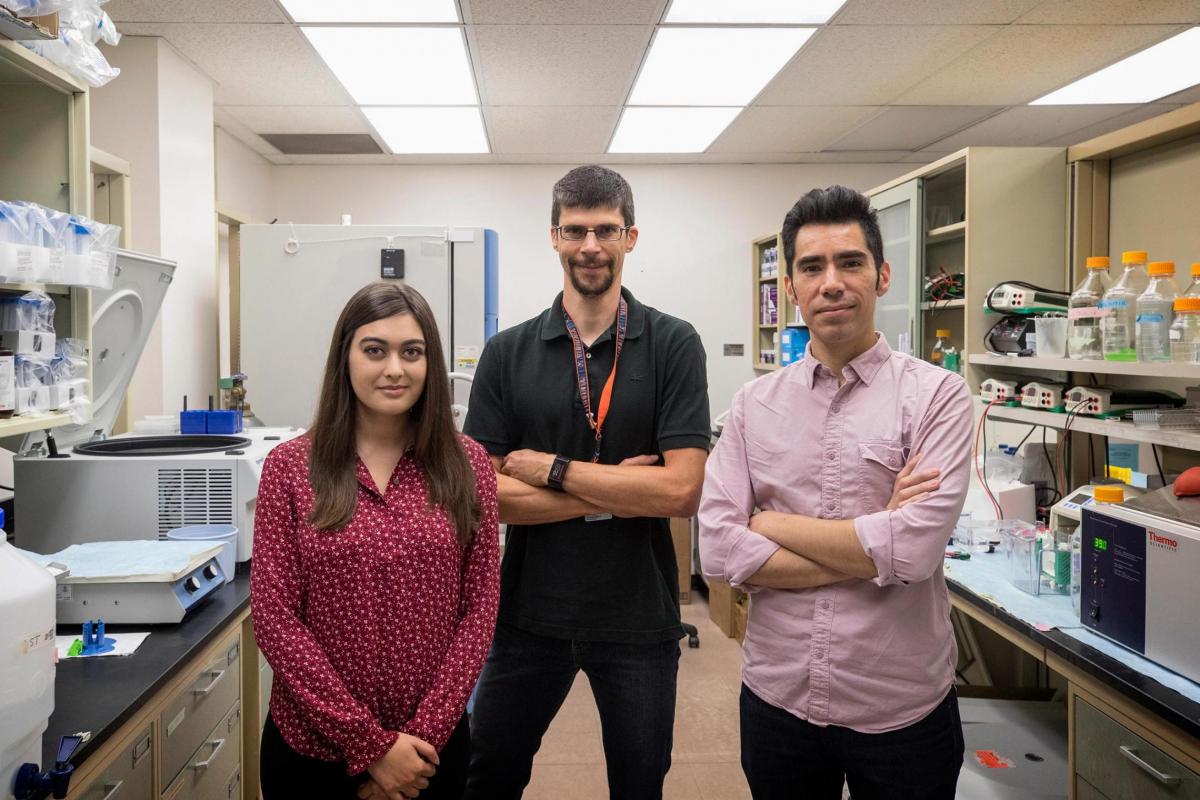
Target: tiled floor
{"points": [[705, 764]]}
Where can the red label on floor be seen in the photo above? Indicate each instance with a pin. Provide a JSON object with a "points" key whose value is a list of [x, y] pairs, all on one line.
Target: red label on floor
{"points": [[992, 760]]}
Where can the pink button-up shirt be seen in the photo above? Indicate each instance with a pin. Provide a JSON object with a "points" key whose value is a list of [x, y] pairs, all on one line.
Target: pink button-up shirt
{"points": [[871, 655]]}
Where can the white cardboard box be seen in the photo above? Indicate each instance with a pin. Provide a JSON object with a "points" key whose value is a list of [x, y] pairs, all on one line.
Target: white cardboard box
{"points": [[34, 345]]}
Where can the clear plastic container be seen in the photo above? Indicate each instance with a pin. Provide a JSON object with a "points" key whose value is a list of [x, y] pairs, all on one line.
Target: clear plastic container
{"points": [[1193, 290], [1155, 313], [938, 354], [1119, 308], [1185, 331], [1083, 311]]}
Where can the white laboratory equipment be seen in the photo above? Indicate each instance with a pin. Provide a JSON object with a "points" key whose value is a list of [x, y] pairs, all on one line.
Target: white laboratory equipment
{"points": [[295, 279], [26, 661]]}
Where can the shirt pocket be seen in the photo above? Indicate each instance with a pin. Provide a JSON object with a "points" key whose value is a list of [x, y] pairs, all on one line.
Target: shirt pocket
{"points": [[879, 461]]}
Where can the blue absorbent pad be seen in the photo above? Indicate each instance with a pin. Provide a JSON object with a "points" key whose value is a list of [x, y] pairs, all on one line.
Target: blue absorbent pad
{"points": [[138, 560]]}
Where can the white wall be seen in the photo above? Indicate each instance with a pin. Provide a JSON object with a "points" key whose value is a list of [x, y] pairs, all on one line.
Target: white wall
{"points": [[243, 180], [159, 117], [692, 259]]}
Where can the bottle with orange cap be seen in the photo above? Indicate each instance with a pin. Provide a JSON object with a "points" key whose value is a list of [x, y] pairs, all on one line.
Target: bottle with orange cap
{"points": [[1185, 331], [1119, 308], [1194, 289], [1083, 312], [1155, 313]]}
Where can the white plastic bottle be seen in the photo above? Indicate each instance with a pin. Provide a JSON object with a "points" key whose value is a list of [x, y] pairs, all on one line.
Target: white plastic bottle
{"points": [[1119, 308], [26, 660], [1083, 311], [1155, 313]]}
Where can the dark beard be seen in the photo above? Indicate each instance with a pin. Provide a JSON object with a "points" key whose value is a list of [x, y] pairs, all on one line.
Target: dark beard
{"points": [[590, 291]]}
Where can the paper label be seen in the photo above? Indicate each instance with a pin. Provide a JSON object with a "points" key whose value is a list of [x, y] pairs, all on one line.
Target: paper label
{"points": [[25, 262], [1117, 303], [1149, 318], [1090, 312], [466, 358], [1175, 335], [36, 641]]}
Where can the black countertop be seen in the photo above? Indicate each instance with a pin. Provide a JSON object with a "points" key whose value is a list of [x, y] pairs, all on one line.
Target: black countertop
{"points": [[100, 694], [1159, 700]]}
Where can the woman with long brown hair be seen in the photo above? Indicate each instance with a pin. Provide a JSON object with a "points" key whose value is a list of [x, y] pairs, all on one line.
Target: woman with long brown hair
{"points": [[375, 574]]}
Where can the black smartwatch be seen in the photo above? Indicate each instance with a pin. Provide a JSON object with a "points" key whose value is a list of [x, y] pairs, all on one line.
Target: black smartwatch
{"points": [[558, 472]]}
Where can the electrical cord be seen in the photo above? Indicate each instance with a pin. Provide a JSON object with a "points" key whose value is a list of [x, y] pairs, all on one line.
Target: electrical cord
{"points": [[982, 475], [1158, 464]]}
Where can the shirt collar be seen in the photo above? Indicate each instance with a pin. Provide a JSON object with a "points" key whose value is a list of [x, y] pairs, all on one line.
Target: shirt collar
{"points": [[554, 323], [865, 367]]}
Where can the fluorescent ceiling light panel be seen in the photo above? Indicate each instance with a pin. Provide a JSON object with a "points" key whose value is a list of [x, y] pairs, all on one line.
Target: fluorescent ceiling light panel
{"points": [[670, 130], [398, 66], [713, 66], [390, 11], [780, 12], [1166, 68], [429, 129]]}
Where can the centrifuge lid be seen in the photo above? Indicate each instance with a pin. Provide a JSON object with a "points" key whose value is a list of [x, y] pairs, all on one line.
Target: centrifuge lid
{"points": [[122, 318]]}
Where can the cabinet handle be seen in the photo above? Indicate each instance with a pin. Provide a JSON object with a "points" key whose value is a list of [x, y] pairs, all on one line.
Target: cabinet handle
{"points": [[199, 765], [1161, 777], [116, 787], [217, 675]]}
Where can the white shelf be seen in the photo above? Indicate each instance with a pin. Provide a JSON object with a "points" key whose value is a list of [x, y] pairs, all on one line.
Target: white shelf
{"points": [[946, 233], [941, 305], [1166, 369], [18, 426], [48, 288], [1117, 429], [766, 367]]}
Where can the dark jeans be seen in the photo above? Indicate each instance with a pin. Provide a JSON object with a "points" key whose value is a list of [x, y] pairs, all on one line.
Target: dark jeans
{"points": [[785, 757], [286, 775], [524, 682]]}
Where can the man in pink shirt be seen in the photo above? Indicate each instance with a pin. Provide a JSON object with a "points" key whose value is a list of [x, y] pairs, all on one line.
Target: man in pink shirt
{"points": [[811, 503]]}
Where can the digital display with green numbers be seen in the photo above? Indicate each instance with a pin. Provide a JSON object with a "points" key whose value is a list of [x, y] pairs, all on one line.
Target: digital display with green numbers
{"points": [[1100, 544]]}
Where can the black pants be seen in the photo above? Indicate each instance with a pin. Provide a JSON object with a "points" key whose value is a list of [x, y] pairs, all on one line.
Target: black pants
{"points": [[785, 757], [524, 682], [287, 775]]}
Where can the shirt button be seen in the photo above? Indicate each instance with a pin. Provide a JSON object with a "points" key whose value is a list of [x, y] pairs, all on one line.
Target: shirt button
{"points": [[818, 654], [589, 355], [835, 408], [830, 456], [825, 604]]}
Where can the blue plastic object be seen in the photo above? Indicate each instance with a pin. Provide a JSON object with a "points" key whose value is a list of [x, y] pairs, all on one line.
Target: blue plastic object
{"points": [[33, 785], [94, 641], [193, 422], [224, 422]]}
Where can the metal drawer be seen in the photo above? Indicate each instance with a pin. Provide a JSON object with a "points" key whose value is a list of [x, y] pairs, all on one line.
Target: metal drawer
{"points": [[129, 777], [189, 717], [1109, 755], [1085, 791], [233, 786], [206, 775]]}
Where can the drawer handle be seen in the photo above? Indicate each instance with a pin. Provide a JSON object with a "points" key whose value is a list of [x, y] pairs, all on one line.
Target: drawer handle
{"points": [[113, 791], [217, 675], [199, 765], [1161, 777]]}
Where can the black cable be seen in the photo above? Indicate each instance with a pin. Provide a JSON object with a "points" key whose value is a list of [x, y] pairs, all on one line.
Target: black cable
{"points": [[1049, 463], [1158, 464], [1104, 464], [1091, 456], [8, 488], [1032, 428]]}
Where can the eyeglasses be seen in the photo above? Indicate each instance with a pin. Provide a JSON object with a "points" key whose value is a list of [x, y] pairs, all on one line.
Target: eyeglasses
{"points": [[604, 233]]}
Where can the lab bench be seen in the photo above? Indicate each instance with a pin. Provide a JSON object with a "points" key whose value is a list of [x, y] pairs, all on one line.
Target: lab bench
{"points": [[178, 719], [1133, 727]]}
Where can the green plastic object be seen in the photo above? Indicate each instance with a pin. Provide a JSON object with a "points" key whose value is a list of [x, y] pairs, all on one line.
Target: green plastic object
{"points": [[75, 649]]}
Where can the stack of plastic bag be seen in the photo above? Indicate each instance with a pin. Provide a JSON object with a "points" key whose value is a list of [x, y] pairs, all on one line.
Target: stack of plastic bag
{"points": [[41, 245], [81, 25]]}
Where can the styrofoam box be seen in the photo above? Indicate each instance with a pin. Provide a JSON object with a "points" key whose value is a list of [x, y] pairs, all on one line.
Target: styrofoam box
{"points": [[33, 400], [23, 263], [37, 345], [64, 394]]}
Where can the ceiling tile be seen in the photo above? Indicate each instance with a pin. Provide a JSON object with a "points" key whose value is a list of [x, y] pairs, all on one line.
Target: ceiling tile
{"points": [[1113, 124], [241, 11], [830, 70], [933, 12], [550, 129], [578, 12], [1129, 12], [253, 65], [1029, 126], [300, 119], [1024, 62], [231, 124], [557, 64], [779, 129], [910, 128]]}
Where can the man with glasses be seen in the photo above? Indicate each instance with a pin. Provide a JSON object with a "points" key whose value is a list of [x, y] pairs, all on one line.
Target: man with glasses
{"points": [[595, 413]]}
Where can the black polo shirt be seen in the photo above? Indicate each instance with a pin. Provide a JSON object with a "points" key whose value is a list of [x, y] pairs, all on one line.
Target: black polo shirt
{"points": [[612, 580]]}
